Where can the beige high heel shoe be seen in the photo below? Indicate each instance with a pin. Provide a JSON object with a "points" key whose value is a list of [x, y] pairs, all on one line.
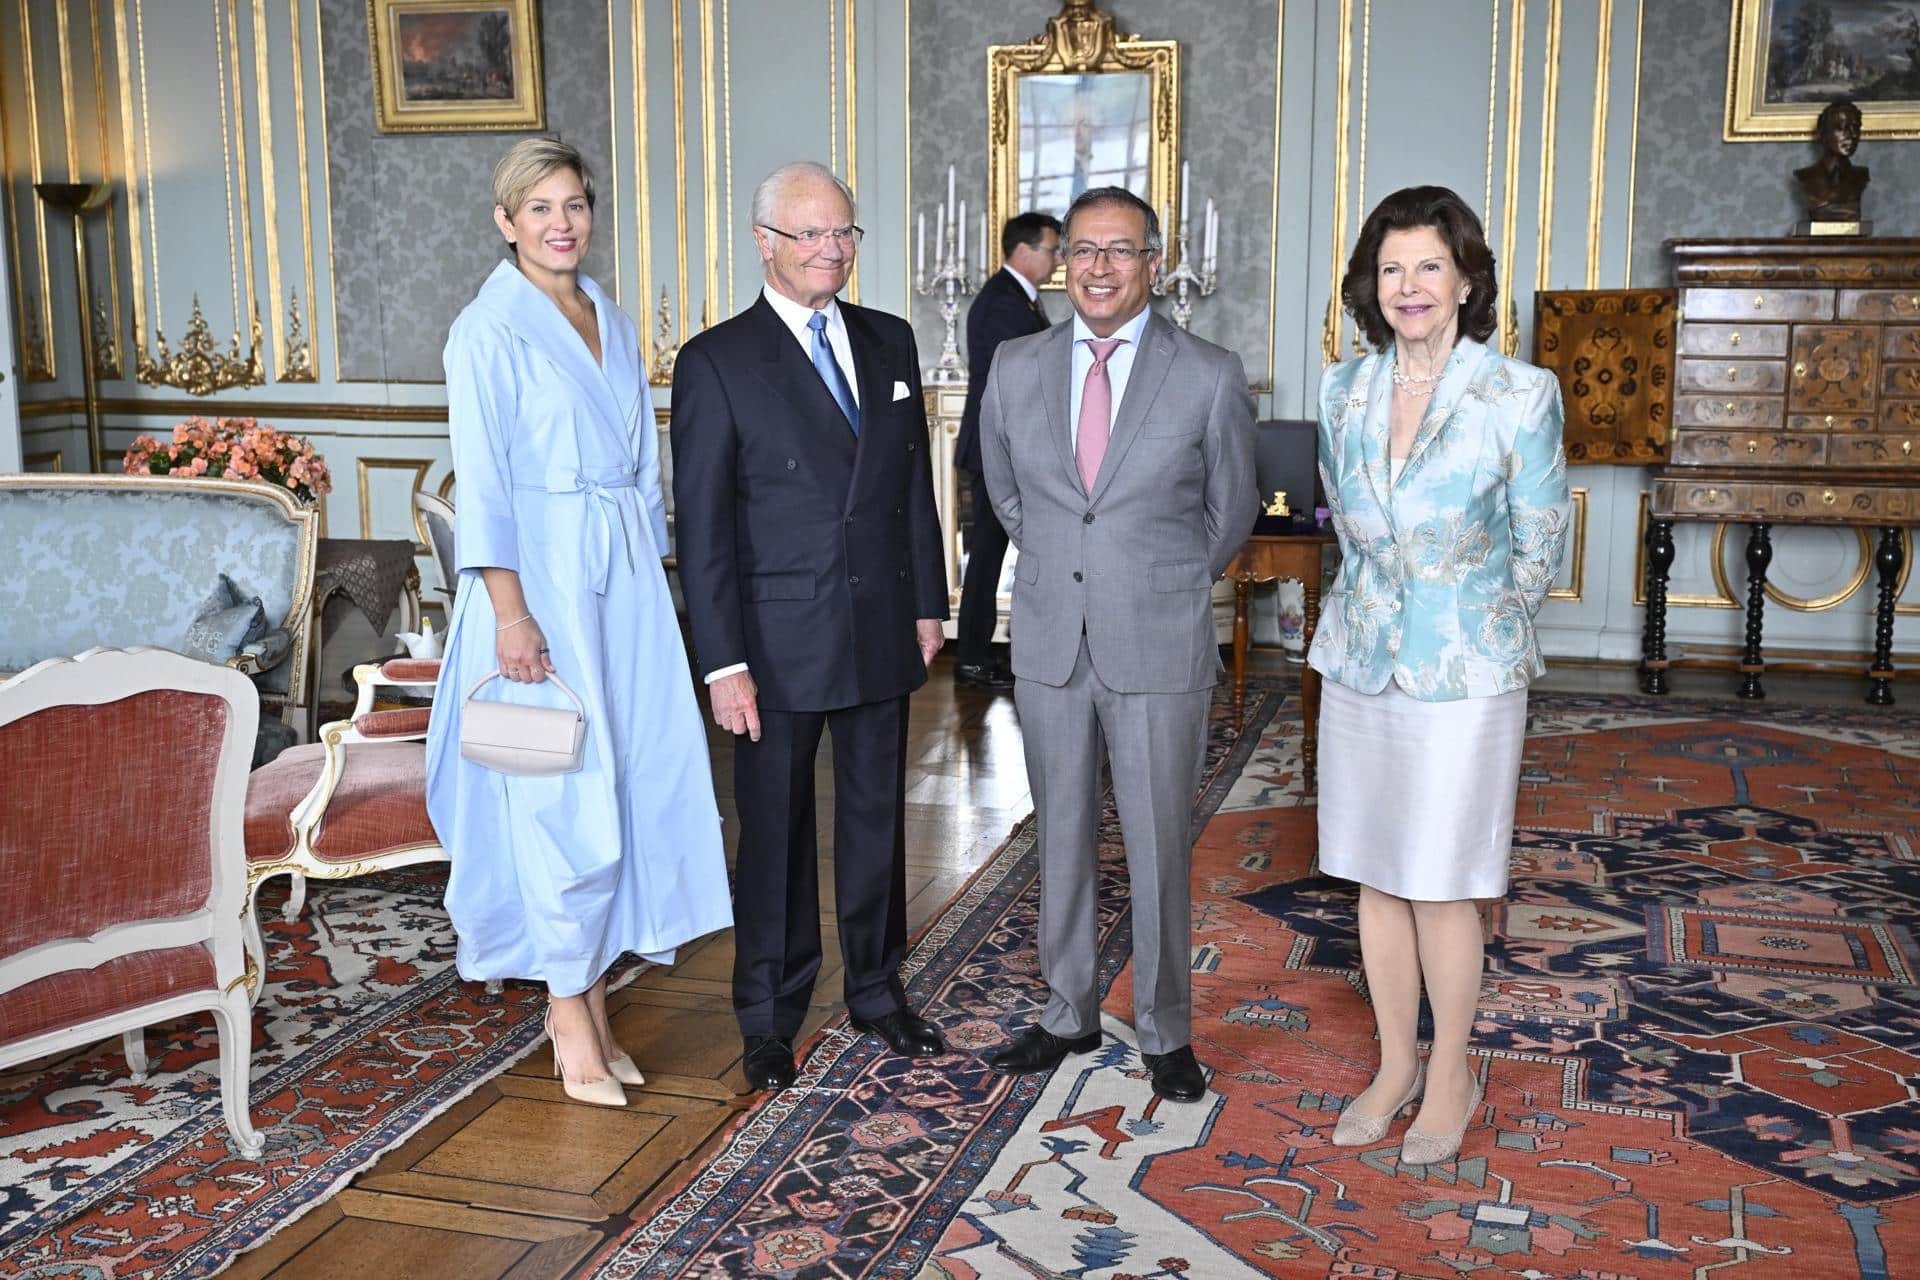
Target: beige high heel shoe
{"points": [[1429, 1148], [1358, 1129], [625, 1070], [604, 1092]]}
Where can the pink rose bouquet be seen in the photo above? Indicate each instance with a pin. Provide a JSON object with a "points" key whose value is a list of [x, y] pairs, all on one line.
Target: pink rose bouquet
{"points": [[237, 449]]}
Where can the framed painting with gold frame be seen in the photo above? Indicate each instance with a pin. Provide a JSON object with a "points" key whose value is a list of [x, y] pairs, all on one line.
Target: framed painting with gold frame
{"points": [[1079, 106], [456, 66], [1786, 61]]}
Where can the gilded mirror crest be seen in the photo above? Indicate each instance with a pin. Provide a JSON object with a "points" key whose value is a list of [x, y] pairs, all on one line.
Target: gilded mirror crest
{"points": [[1080, 105]]}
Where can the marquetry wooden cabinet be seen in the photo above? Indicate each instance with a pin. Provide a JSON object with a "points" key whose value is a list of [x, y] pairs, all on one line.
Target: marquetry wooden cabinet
{"points": [[1797, 402]]}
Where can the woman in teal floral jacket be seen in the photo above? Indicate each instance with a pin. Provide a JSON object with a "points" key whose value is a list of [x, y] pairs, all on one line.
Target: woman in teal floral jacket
{"points": [[1447, 483]]}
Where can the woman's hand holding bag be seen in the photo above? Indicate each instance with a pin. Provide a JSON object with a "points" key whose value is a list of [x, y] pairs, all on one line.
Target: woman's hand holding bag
{"points": [[520, 739]]}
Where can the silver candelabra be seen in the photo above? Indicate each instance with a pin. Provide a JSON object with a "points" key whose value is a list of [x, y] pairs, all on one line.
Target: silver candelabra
{"points": [[1181, 277], [950, 277]]}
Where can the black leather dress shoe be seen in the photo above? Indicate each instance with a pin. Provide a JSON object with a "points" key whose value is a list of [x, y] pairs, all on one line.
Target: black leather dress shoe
{"points": [[1038, 1049], [906, 1033], [1176, 1076], [981, 675], [769, 1062]]}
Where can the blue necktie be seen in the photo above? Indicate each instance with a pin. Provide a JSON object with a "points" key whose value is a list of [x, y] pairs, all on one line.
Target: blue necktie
{"points": [[830, 372]]}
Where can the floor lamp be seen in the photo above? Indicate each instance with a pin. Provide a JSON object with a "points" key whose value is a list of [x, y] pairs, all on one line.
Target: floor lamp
{"points": [[79, 199]]}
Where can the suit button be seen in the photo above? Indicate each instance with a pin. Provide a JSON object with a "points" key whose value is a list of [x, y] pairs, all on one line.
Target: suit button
{"points": [[849, 520], [899, 511], [911, 446], [853, 579], [1087, 518], [903, 573], [1077, 577], [791, 464]]}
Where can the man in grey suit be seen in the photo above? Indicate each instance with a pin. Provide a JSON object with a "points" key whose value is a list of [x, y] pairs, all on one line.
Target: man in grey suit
{"points": [[1118, 452]]}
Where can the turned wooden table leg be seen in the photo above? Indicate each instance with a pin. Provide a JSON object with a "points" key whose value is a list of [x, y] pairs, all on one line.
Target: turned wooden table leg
{"points": [[1759, 556], [1888, 560], [1653, 638], [1242, 595], [1310, 685]]}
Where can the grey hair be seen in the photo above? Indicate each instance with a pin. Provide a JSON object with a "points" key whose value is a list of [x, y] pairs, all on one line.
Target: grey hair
{"points": [[1097, 196], [770, 187]]}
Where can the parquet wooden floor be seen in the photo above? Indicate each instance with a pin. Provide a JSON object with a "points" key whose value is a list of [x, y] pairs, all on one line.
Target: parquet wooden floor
{"points": [[515, 1181]]}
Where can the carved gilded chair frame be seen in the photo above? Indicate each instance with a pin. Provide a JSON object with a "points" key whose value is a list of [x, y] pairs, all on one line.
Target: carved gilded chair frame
{"points": [[1079, 40]]}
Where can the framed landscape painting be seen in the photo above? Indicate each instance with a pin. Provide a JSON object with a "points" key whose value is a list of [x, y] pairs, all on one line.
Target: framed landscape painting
{"points": [[456, 66], [1789, 58]]}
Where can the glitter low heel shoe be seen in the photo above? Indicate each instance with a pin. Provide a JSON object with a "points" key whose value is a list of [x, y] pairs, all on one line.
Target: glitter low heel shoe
{"points": [[1358, 1129], [1428, 1148]]}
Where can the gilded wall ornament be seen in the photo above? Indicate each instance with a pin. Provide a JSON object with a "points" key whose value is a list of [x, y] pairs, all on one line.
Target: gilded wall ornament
{"points": [[197, 368], [298, 364]]}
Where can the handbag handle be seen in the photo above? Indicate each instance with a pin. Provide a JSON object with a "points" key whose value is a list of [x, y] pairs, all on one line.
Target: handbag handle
{"points": [[552, 679]]}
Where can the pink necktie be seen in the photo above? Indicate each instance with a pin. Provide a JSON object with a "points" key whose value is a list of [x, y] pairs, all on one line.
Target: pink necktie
{"points": [[1096, 412]]}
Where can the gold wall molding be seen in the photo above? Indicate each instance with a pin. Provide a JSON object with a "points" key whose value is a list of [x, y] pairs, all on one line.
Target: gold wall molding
{"points": [[108, 366], [1549, 135], [291, 360], [296, 361], [364, 468], [1633, 140], [1862, 571], [1273, 210], [613, 142], [48, 460], [642, 194], [1342, 121], [198, 368], [710, 170], [36, 337], [680, 155], [1509, 335], [106, 338], [853, 153], [302, 410], [1597, 162], [1493, 107], [1576, 588], [130, 169]]}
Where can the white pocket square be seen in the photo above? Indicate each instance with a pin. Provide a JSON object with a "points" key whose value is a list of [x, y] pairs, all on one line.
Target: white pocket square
{"points": [[900, 391]]}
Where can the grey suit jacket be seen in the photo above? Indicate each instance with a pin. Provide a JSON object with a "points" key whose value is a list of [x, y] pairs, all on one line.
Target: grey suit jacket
{"points": [[1133, 563]]}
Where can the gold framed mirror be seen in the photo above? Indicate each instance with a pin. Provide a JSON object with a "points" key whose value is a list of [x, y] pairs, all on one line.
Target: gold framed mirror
{"points": [[1079, 106]]}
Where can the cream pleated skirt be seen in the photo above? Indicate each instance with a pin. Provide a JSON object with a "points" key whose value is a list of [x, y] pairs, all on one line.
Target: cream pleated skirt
{"points": [[1416, 798]]}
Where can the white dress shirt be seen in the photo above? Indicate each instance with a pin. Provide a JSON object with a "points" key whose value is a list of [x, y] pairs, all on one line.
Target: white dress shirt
{"points": [[1119, 366], [796, 318], [1027, 286]]}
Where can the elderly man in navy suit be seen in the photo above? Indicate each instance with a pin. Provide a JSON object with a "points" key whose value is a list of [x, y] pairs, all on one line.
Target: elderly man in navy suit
{"points": [[1007, 306], [810, 559]]}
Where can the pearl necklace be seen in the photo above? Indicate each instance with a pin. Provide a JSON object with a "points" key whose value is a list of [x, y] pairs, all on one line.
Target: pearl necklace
{"points": [[1417, 386]]}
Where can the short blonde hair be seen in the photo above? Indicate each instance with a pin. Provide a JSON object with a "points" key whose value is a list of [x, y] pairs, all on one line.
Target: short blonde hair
{"points": [[528, 163]]}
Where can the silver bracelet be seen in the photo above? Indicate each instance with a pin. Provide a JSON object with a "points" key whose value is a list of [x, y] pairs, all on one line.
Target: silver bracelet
{"points": [[525, 617]]}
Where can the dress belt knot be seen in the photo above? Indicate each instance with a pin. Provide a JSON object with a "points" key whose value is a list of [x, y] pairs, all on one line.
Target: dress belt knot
{"points": [[598, 487]]}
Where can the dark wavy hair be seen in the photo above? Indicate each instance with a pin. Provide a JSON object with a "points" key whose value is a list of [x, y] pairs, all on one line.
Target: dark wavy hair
{"points": [[1405, 210]]}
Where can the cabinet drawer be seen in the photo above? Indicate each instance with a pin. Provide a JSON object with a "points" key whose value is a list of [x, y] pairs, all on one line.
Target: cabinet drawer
{"points": [[1900, 415], [1903, 342], [1880, 304], [1833, 368], [1757, 304], [1693, 447], [1687, 498], [1748, 376], [1830, 422], [1728, 411], [1881, 449], [1900, 380], [1850, 504], [1755, 340]]}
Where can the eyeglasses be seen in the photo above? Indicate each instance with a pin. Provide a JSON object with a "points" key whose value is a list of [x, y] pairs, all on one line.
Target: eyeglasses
{"points": [[814, 237], [1122, 256]]}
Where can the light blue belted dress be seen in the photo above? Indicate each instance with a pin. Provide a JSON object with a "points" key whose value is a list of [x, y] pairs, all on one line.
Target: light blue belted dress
{"points": [[557, 470]]}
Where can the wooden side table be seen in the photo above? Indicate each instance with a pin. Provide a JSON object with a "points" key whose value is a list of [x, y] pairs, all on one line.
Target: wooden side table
{"points": [[1268, 558]]}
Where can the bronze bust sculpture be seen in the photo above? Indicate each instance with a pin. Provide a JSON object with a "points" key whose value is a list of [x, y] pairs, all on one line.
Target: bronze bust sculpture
{"points": [[1833, 184]]}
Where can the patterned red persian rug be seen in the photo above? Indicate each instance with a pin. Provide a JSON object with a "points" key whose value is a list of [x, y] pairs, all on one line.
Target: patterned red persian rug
{"points": [[1699, 1033], [363, 1034]]}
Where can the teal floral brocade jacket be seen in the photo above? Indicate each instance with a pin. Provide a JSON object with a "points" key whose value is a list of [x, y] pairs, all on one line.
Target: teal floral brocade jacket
{"points": [[1443, 570]]}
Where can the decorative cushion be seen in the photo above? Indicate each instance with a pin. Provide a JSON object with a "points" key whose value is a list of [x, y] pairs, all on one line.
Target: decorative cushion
{"points": [[225, 621], [271, 649], [126, 982]]}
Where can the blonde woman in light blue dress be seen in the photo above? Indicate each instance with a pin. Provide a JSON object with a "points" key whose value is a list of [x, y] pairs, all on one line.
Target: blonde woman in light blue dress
{"points": [[560, 527], [1447, 482]]}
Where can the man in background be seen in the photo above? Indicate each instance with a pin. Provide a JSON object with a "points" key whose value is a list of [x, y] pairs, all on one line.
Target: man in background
{"points": [[1007, 306]]}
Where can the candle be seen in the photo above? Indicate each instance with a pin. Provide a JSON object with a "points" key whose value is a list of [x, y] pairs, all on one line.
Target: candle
{"points": [[1213, 233], [1183, 193], [940, 238], [949, 188], [920, 247], [983, 243], [960, 232]]}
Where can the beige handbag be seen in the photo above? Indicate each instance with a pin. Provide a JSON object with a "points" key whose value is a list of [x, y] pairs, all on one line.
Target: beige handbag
{"points": [[523, 740]]}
